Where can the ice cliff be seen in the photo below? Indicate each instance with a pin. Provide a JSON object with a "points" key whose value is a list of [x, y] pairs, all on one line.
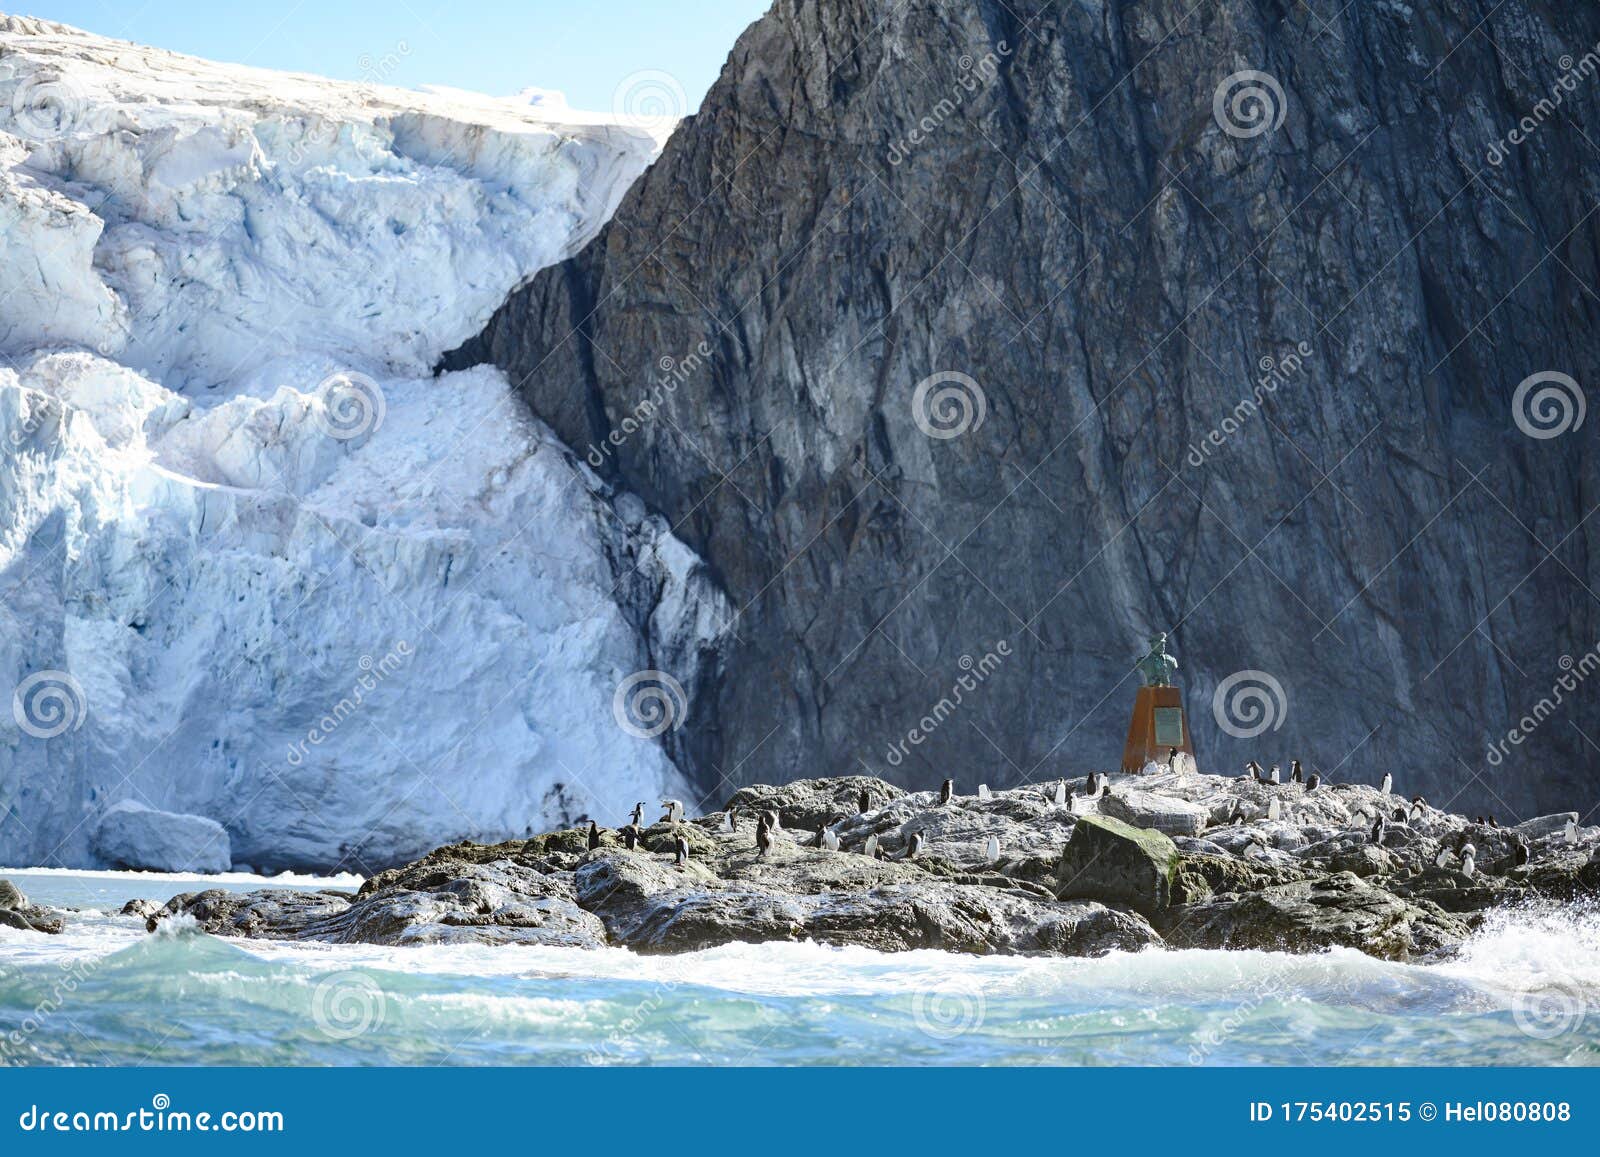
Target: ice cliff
{"points": [[256, 565]]}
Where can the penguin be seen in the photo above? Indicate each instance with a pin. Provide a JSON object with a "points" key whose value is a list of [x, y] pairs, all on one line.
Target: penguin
{"points": [[630, 837], [870, 848], [1238, 814], [1313, 781], [1442, 859], [1377, 832], [863, 803], [914, 848], [638, 813], [773, 819], [1388, 784], [1275, 775], [1069, 801], [1492, 822], [674, 812], [680, 849], [983, 791], [1249, 769], [1255, 771], [1571, 833], [594, 835], [1092, 789], [1520, 855], [947, 791], [826, 839], [1172, 760], [1478, 820], [763, 837], [1399, 815], [1295, 774], [1274, 809], [729, 823], [1469, 861], [991, 849]]}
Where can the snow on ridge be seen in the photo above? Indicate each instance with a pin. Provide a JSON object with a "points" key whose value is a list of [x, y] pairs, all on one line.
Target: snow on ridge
{"points": [[346, 644]]}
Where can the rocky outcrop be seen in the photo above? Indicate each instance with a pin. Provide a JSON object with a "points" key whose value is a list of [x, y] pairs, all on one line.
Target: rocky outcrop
{"points": [[1173, 817], [441, 902], [1072, 880], [808, 802], [1247, 371], [1337, 911], [16, 912]]}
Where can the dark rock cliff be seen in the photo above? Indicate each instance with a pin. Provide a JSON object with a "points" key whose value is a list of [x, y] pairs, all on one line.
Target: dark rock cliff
{"points": [[1247, 353]]}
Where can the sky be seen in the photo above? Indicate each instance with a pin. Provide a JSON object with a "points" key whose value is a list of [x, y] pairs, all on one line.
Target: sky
{"points": [[592, 50]]}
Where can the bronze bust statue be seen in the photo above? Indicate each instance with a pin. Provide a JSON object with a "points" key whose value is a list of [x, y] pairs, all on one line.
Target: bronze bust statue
{"points": [[1157, 667]]}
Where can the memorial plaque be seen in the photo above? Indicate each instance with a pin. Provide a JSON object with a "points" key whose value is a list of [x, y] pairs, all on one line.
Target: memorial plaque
{"points": [[1169, 726]]}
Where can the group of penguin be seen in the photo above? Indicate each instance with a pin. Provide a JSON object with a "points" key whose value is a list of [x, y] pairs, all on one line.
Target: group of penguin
{"points": [[768, 823], [1465, 849], [632, 832]]}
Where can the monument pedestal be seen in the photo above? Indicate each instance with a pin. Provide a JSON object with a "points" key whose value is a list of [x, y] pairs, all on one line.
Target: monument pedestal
{"points": [[1158, 726]]}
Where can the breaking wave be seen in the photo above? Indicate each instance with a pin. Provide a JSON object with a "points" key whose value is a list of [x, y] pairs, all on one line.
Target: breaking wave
{"points": [[1524, 991]]}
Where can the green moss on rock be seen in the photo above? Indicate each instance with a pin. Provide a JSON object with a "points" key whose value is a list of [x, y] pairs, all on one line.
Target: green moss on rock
{"points": [[1116, 863]]}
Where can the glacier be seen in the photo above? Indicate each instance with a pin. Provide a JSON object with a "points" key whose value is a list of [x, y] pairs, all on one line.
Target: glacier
{"points": [[258, 566]]}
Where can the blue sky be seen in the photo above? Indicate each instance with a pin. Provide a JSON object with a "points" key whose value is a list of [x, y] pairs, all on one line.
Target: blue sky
{"points": [[585, 48]]}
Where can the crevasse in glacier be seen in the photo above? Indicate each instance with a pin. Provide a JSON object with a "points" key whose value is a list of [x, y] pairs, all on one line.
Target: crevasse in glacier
{"points": [[256, 564]]}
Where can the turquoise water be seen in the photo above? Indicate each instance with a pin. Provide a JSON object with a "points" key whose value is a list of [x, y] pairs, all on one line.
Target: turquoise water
{"points": [[1525, 992]]}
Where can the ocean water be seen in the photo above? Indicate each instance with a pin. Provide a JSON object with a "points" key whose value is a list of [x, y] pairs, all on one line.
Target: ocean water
{"points": [[1525, 991]]}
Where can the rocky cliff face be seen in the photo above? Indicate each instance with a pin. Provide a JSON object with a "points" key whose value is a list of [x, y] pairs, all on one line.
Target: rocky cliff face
{"points": [[972, 341]]}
